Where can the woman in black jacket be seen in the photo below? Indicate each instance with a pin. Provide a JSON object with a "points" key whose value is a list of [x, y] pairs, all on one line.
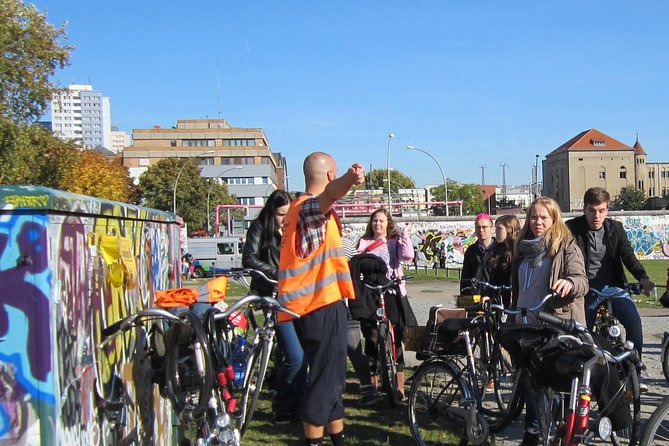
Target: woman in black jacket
{"points": [[261, 252]]}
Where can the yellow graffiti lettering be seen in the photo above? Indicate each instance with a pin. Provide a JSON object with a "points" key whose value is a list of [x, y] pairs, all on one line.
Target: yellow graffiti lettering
{"points": [[36, 201]]}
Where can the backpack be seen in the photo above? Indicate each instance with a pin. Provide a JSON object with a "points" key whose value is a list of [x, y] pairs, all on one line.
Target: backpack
{"points": [[371, 269]]}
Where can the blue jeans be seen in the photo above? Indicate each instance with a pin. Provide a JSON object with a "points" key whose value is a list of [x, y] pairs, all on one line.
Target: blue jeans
{"points": [[624, 309], [291, 377]]}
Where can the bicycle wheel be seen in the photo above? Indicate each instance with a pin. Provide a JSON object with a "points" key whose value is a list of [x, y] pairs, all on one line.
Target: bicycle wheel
{"points": [[255, 376], [188, 366], [387, 365], [656, 431], [665, 356], [549, 405], [507, 395], [628, 396], [435, 405]]}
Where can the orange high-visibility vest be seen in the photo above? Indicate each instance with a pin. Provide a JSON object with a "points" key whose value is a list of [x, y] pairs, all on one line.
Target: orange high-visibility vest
{"points": [[305, 285]]}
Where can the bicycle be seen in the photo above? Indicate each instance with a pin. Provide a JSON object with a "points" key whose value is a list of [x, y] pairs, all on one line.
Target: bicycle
{"points": [[656, 432], [386, 346], [261, 346], [573, 424], [198, 377], [449, 394], [606, 323]]}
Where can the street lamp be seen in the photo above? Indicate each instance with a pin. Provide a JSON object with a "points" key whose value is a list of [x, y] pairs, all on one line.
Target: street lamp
{"points": [[174, 195], [390, 136], [440, 170], [209, 193]]}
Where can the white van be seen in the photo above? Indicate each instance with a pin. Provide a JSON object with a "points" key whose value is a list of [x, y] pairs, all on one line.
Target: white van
{"points": [[215, 255]]}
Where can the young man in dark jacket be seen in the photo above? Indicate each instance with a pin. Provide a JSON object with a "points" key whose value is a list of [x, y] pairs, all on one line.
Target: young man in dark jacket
{"points": [[606, 249]]}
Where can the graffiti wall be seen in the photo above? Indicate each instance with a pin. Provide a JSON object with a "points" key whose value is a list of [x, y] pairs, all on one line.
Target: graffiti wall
{"points": [[69, 266], [445, 242]]}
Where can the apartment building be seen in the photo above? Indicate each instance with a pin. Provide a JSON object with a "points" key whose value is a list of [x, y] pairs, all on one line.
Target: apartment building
{"points": [[83, 115], [119, 140], [241, 157], [592, 159]]}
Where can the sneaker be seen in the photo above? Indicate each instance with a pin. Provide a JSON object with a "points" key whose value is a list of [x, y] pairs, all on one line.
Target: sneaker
{"points": [[530, 439], [643, 387], [282, 419], [368, 396]]}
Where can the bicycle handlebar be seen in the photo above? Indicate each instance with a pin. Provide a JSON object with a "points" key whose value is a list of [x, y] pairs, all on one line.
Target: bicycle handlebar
{"points": [[384, 287], [613, 292], [252, 299], [239, 274], [118, 327], [524, 311], [489, 286]]}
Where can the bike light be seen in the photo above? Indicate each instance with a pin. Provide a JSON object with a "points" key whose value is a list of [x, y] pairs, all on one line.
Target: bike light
{"points": [[380, 312], [604, 428], [614, 331], [223, 421]]}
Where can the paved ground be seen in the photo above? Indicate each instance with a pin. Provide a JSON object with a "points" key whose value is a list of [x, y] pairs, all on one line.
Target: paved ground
{"points": [[655, 322]]}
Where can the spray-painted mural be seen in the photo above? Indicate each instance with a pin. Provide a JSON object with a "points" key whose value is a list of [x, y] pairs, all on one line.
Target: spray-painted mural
{"points": [[70, 265], [444, 243]]}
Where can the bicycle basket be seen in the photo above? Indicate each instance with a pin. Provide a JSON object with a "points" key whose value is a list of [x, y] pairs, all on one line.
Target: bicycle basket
{"points": [[414, 337], [438, 341]]}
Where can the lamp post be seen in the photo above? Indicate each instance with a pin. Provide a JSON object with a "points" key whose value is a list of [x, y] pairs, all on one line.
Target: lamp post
{"points": [[390, 136], [174, 195], [209, 193], [443, 178]]}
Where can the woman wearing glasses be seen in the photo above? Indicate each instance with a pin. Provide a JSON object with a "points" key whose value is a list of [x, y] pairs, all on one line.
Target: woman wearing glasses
{"points": [[476, 263]]}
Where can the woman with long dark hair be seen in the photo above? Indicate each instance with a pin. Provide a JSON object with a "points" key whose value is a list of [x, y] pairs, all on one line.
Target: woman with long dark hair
{"points": [[261, 252], [507, 228]]}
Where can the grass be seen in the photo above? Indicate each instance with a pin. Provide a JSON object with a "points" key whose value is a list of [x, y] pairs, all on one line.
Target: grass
{"points": [[365, 426]]}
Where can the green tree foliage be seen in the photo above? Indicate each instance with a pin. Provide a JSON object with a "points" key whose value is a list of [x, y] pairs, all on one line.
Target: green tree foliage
{"points": [[468, 193], [31, 53], [156, 189], [629, 199], [378, 179], [30, 154]]}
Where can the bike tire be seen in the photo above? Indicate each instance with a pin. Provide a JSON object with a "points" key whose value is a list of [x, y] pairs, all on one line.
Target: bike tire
{"points": [[253, 382], [656, 431], [550, 412], [515, 403], [629, 390], [665, 356], [437, 388], [186, 386], [387, 364]]}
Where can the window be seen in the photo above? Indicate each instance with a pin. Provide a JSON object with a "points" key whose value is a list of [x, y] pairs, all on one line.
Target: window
{"points": [[173, 143], [623, 173], [245, 200], [225, 248], [198, 143], [602, 175], [651, 174], [598, 142], [239, 142]]}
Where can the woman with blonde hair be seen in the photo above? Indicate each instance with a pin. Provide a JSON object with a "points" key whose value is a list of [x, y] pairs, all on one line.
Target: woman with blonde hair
{"points": [[547, 259]]}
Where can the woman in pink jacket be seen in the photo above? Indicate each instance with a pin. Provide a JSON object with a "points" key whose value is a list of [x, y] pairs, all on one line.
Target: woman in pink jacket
{"points": [[383, 239]]}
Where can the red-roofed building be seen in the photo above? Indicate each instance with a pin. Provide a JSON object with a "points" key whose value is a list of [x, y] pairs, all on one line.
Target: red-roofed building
{"points": [[594, 159]]}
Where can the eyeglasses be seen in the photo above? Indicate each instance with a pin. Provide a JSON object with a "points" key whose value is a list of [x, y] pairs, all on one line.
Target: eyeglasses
{"points": [[477, 227]]}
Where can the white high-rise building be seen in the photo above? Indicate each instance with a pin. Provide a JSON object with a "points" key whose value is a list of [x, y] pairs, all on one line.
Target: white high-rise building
{"points": [[83, 115]]}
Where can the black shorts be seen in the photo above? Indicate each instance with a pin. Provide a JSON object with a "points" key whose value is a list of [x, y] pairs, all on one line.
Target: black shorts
{"points": [[323, 334]]}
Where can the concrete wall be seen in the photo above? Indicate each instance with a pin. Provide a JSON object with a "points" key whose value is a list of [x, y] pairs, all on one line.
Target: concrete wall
{"points": [[70, 265], [648, 232]]}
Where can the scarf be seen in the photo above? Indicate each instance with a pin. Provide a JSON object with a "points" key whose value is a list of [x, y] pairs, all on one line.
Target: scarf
{"points": [[533, 251]]}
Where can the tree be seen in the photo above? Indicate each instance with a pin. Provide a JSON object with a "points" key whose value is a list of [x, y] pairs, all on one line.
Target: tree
{"points": [[378, 179], [100, 176], [468, 193], [31, 53], [630, 199], [30, 154], [156, 189]]}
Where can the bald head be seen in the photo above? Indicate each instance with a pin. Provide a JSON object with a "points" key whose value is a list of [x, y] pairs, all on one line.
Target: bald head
{"points": [[319, 169]]}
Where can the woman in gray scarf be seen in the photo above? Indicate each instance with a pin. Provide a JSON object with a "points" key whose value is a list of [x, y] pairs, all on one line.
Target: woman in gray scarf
{"points": [[547, 259]]}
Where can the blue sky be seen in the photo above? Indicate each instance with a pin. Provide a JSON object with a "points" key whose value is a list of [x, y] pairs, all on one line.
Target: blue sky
{"points": [[472, 82]]}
